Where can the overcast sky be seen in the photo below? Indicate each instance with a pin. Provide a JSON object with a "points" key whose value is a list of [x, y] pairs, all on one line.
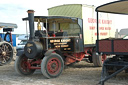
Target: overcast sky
{"points": [[12, 11]]}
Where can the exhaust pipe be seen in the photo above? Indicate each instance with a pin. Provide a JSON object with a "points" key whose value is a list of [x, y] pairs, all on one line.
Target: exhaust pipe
{"points": [[31, 24]]}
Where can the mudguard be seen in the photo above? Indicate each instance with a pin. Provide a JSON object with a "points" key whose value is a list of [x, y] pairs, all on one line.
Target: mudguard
{"points": [[48, 52]]}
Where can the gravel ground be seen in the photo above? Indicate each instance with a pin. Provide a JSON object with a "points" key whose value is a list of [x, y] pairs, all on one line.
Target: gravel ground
{"points": [[81, 73]]}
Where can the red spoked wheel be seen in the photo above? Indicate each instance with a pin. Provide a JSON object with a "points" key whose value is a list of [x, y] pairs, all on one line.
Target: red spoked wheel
{"points": [[98, 60], [52, 65], [22, 66]]}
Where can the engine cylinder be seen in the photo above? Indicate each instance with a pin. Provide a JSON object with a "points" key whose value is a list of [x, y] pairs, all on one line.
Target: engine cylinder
{"points": [[33, 49]]}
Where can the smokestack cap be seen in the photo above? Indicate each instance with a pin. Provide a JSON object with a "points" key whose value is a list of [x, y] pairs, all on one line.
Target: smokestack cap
{"points": [[30, 11]]}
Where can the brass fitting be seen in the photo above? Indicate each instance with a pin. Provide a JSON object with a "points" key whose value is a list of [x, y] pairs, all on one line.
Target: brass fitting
{"points": [[38, 25]]}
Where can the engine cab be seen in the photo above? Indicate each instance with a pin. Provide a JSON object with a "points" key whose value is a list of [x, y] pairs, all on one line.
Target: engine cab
{"points": [[64, 34]]}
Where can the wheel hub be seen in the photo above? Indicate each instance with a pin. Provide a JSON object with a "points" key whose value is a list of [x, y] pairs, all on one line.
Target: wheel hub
{"points": [[53, 65], [4, 53], [24, 65]]}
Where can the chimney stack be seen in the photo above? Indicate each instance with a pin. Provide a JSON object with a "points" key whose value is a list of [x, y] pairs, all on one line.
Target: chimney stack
{"points": [[31, 24]]}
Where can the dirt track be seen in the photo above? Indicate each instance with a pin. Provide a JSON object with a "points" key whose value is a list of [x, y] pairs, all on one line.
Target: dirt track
{"points": [[79, 74]]}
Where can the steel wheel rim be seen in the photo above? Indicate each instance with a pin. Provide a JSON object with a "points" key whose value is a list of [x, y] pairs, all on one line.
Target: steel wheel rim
{"points": [[53, 66], [24, 65], [5, 53]]}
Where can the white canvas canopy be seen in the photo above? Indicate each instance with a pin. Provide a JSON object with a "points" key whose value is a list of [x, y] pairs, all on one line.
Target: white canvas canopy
{"points": [[7, 25]]}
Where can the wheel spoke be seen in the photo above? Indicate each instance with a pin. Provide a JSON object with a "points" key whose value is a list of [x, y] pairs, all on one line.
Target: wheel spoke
{"points": [[0, 56], [7, 57], [6, 47], [1, 49], [4, 60]]}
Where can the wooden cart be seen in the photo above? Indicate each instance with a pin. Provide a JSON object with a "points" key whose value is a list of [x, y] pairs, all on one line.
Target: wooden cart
{"points": [[111, 46]]}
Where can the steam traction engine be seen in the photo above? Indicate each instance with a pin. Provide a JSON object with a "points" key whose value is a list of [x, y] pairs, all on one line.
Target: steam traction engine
{"points": [[59, 43], [6, 42]]}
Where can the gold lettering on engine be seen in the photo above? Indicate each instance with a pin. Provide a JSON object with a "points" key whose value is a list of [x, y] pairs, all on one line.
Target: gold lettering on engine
{"points": [[53, 41], [29, 44], [64, 46], [61, 44], [62, 40], [66, 40]]}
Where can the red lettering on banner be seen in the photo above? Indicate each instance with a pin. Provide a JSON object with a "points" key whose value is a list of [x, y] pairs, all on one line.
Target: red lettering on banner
{"points": [[92, 20], [106, 21], [92, 27], [101, 28], [102, 34], [99, 21], [107, 28], [95, 34]]}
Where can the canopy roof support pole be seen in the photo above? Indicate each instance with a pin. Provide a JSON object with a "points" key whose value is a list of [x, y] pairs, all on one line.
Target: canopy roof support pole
{"points": [[27, 30], [97, 26], [97, 42], [46, 34]]}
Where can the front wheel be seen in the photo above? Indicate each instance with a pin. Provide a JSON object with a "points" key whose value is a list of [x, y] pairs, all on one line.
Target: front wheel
{"points": [[52, 65], [21, 65]]}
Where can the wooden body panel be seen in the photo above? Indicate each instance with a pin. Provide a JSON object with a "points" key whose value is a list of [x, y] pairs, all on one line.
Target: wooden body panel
{"points": [[68, 44], [114, 46]]}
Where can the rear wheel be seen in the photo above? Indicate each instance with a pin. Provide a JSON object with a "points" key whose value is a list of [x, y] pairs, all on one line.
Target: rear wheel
{"points": [[21, 66], [98, 60], [52, 65]]}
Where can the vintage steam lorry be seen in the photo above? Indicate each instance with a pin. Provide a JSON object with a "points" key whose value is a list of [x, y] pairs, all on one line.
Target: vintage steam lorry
{"points": [[113, 46], [6, 49], [58, 41]]}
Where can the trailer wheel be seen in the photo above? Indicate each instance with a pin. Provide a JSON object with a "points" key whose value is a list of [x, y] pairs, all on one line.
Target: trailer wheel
{"points": [[6, 53], [98, 59], [52, 65], [21, 66]]}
